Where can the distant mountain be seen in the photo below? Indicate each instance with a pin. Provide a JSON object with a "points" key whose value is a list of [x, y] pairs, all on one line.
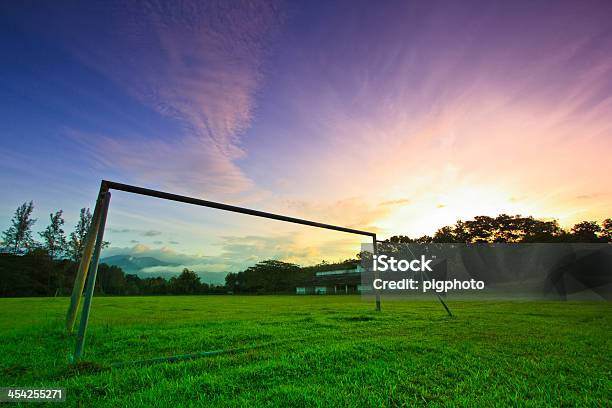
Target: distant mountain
{"points": [[134, 265]]}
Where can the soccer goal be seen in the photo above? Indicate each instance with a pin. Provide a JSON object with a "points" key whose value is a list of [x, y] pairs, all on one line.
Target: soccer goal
{"points": [[88, 266]]}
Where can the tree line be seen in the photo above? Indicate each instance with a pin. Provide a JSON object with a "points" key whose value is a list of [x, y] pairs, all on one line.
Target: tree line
{"points": [[514, 229], [48, 267], [273, 276], [35, 273], [29, 267], [19, 239], [276, 277]]}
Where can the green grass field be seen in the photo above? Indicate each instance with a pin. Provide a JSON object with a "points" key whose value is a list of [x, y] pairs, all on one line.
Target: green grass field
{"points": [[314, 351]]}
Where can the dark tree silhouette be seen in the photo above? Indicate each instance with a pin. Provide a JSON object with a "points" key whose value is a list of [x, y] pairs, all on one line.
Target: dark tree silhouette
{"points": [[586, 231], [445, 235], [18, 237], [270, 276], [78, 236], [187, 283], [54, 238], [606, 230], [76, 244], [516, 228]]}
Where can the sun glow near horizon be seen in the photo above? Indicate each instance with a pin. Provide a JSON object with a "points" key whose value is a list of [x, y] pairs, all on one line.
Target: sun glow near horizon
{"points": [[393, 118], [428, 213]]}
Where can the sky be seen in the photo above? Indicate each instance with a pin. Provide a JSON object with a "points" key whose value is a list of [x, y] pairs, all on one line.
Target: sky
{"points": [[393, 117]]}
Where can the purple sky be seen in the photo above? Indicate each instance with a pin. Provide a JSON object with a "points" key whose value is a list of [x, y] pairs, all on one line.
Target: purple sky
{"points": [[398, 117]]}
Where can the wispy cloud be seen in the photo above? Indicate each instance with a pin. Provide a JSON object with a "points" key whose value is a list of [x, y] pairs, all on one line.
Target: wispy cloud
{"points": [[394, 117], [445, 106], [199, 64], [235, 253], [146, 233], [401, 201], [120, 230], [351, 212], [588, 196]]}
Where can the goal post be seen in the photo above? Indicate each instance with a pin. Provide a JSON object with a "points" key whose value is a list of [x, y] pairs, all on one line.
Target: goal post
{"points": [[79, 280], [88, 265], [91, 278]]}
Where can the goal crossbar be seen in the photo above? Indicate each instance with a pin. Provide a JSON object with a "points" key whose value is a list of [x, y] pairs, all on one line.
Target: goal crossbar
{"points": [[220, 206]]}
